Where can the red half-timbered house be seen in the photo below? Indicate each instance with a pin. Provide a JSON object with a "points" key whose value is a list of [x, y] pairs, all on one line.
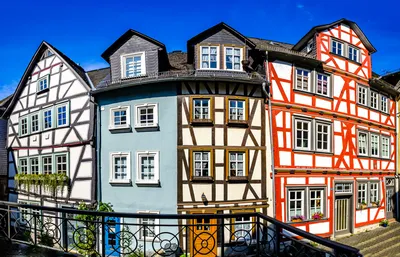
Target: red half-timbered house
{"points": [[334, 131]]}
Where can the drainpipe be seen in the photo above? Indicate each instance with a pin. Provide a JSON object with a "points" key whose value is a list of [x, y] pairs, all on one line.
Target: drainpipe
{"points": [[396, 185], [271, 136]]}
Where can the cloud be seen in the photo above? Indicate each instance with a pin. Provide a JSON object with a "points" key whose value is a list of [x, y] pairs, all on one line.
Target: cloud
{"points": [[300, 6], [88, 66], [8, 89]]}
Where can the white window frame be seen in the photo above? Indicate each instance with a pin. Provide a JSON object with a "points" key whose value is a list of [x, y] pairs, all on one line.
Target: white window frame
{"points": [[156, 227], [328, 85], [378, 144], [237, 109], [138, 107], [376, 96], [329, 139], [20, 165], [388, 146], [352, 49], [310, 134], [309, 83], [67, 114], [202, 161], [38, 122], [20, 126], [366, 143], [302, 199], [365, 93], [322, 206], [112, 179], [46, 77], [236, 161], [337, 43], [112, 126], [201, 113], [384, 103], [376, 190], [143, 64], [233, 56], [367, 184], [56, 162], [38, 165], [156, 179], [209, 58], [364, 199], [242, 228], [43, 118], [42, 163]]}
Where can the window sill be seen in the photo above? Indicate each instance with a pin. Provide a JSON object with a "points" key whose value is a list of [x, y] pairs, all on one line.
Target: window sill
{"points": [[126, 182], [147, 128], [205, 122], [42, 91], [238, 123], [203, 179], [147, 183], [308, 221], [120, 129], [237, 179]]}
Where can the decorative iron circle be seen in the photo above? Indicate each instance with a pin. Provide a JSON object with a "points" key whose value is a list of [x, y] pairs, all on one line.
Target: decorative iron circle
{"points": [[84, 238], [21, 225], [167, 242], [126, 250], [204, 243], [52, 230], [242, 239]]}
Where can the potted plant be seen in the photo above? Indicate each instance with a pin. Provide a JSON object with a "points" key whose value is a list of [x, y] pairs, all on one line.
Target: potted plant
{"points": [[317, 216], [375, 204], [297, 218], [363, 205], [384, 223]]}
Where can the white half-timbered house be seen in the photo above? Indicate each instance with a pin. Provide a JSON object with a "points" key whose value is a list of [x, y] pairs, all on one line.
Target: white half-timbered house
{"points": [[50, 133]]}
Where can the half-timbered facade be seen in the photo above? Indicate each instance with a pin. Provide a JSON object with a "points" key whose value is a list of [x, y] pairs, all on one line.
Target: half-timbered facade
{"points": [[334, 131], [50, 133]]}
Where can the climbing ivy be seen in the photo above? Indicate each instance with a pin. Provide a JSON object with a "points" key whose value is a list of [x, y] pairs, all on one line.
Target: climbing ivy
{"points": [[53, 182]]}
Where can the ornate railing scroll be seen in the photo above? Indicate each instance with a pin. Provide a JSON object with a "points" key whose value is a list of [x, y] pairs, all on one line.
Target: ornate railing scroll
{"points": [[139, 235]]}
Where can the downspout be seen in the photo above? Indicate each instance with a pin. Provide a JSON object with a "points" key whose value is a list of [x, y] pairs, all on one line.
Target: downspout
{"points": [[267, 83], [98, 152], [396, 186]]}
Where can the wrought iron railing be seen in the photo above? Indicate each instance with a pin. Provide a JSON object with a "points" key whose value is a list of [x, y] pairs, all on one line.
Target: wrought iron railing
{"points": [[189, 74], [139, 235]]}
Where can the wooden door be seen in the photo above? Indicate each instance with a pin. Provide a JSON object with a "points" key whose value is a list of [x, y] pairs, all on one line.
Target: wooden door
{"points": [[389, 202], [342, 215], [204, 237]]}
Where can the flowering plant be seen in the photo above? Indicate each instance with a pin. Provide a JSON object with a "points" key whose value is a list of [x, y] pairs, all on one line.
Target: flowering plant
{"points": [[297, 217], [317, 216]]}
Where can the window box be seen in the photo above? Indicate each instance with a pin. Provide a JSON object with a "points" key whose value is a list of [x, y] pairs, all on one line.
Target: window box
{"points": [[147, 170], [146, 116], [297, 218], [120, 118], [133, 65]]}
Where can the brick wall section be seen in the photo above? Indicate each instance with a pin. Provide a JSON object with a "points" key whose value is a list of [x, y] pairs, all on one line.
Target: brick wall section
{"points": [[3, 150], [133, 45]]}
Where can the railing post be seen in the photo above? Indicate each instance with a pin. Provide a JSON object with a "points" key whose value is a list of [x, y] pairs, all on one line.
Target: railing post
{"points": [[35, 227], [278, 238], [222, 237], [9, 221], [103, 236], [187, 238], [258, 232], [144, 240], [64, 230]]}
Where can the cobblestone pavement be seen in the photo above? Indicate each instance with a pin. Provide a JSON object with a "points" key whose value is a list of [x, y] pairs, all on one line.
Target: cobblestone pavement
{"points": [[379, 242]]}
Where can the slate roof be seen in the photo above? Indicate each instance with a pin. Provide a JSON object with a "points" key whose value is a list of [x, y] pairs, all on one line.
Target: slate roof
{"points": [[96, 76], [178, 61]]}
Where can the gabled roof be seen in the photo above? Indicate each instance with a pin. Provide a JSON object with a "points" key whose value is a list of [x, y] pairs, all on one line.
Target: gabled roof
{"points": [[79, 71], [96, 76], [351, 24], [393, 78], [206, 33], [125, 37]]}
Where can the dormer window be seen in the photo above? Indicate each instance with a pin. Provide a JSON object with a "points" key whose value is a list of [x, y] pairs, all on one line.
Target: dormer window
{"points": [[133, 65], [43, 83], [337, 48], [209, 57], [233, 58]]}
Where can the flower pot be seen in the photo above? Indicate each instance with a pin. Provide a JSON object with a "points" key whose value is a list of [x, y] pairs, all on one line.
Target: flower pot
{"points": [[384, 225], [296, 220]]}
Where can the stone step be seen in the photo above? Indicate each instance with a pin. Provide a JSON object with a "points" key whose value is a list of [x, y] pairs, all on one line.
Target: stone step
{"points": [[380, 247], [364, 239]]}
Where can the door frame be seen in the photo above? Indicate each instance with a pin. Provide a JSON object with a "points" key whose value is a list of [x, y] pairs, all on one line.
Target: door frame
{"points": [[389, 183], [351, 199], [191, 234]]}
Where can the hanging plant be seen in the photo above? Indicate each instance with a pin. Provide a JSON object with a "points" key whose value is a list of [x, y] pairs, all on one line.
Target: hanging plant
{"points": [[51, 182]]}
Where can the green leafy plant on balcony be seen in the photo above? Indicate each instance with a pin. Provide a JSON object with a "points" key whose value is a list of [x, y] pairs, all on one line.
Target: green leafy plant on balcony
{"points": [[53, 182]]}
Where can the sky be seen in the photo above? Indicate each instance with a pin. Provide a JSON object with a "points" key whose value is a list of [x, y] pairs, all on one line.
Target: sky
{"points": [[84, 29]]}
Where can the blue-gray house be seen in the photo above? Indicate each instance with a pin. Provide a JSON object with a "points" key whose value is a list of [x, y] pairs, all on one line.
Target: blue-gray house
{"points": [[137, 135]]}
